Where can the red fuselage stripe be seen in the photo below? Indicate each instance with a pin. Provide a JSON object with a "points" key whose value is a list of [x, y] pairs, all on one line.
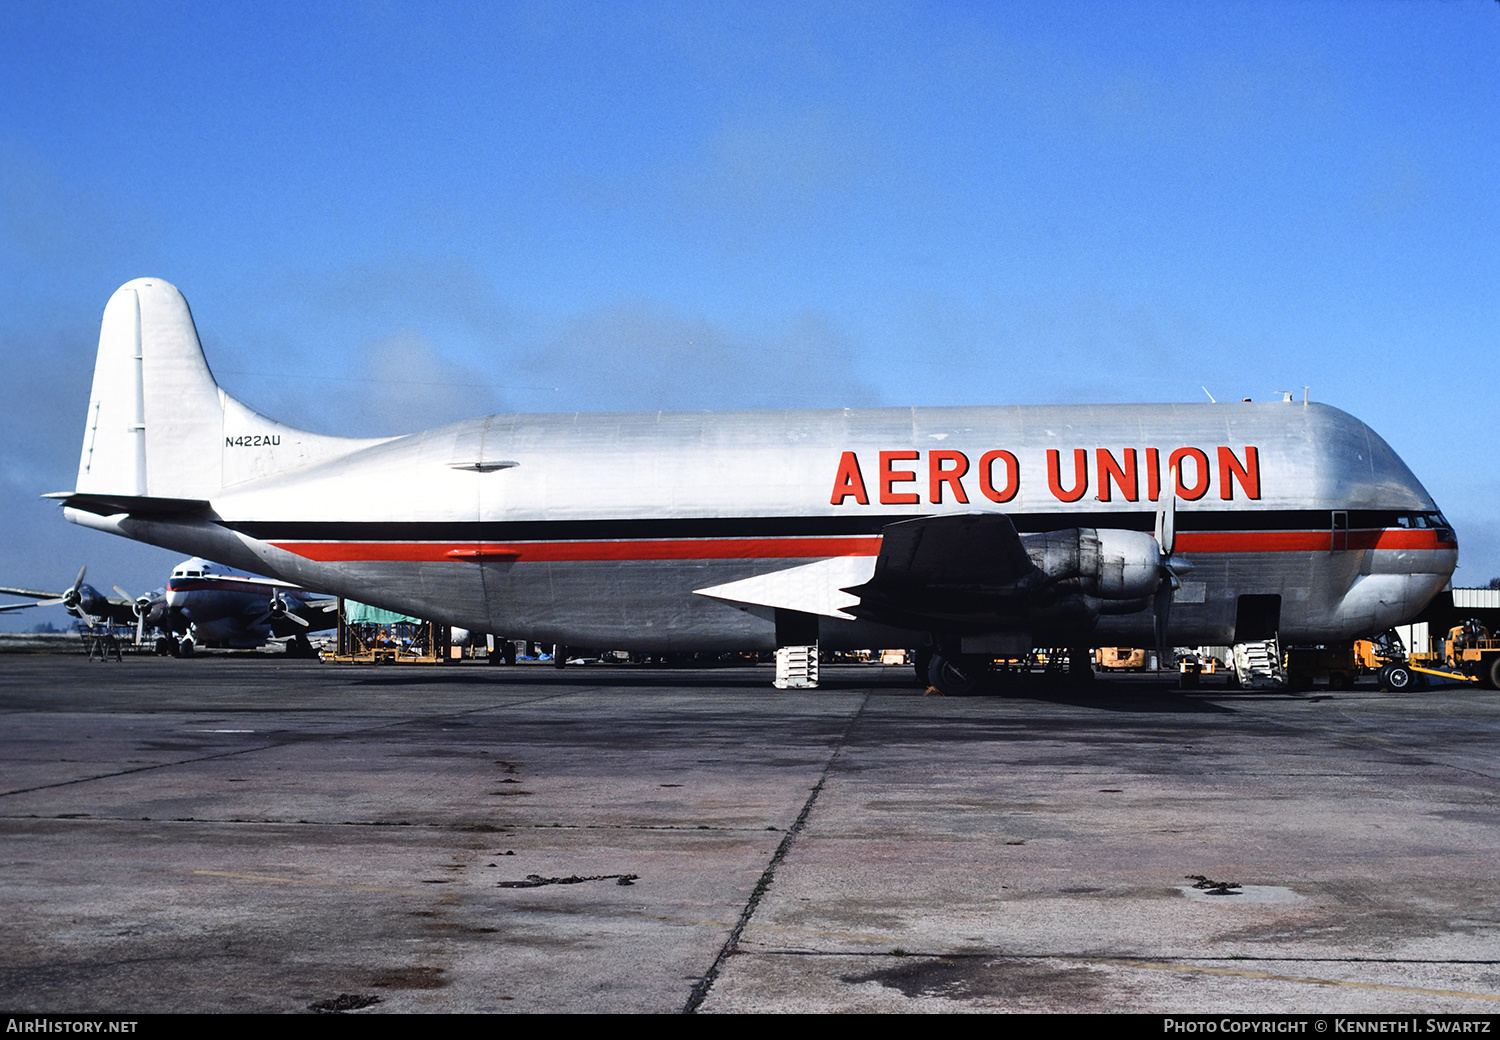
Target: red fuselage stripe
{"points": [[652, 549], [811, 548], [1306, 541], [210, 585]]}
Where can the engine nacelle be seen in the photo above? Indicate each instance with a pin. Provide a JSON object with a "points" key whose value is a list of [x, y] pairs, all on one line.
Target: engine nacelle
{"points": [[1107, 563]]}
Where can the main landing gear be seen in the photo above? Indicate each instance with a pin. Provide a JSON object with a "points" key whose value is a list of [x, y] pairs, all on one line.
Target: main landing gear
{"points": [[958, 676], [965, 675]]}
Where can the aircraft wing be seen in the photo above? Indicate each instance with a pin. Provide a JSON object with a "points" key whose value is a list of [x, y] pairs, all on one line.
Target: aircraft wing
{"points": [[955, 551], [118, 612], [296, 616], [966, 568], [813, 588], [959, 571], [30, 593]]}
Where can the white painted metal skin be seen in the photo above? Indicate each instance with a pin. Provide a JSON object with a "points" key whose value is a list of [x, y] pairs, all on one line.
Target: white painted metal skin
{"points": [[603, 529], [215, 605]]}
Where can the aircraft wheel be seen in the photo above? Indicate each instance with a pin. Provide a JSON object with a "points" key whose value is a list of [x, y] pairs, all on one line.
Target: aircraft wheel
{"points": [[185, 648], [920, 662], [1396, 677], [1495, 673], [559, 655], [959, 677], [508, 654]]}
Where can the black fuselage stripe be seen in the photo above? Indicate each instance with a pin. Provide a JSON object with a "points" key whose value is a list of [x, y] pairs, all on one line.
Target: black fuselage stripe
{"points": [[1188, 519]]}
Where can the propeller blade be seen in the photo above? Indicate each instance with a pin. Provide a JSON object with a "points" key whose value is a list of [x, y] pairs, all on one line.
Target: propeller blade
{"points": [[1166, 539], [124, 593], [1162, 609], [1166, 515], [140, 627], [300, 620], [73, 598]]}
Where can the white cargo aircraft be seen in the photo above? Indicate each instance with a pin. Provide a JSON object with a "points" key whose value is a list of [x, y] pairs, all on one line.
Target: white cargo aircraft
{"points": [[971, 532]]}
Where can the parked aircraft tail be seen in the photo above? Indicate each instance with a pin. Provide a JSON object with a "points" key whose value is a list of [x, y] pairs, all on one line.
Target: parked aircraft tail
{"points": [[158, 424]]}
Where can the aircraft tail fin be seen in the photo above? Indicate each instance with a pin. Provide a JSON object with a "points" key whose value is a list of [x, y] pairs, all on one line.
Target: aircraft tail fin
{"points": [[158, 424]]}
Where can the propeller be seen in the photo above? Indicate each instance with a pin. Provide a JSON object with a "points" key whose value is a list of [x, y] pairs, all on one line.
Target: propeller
{"points": [[1166, 540], [74, 596], [278, 610], [140, 606]]}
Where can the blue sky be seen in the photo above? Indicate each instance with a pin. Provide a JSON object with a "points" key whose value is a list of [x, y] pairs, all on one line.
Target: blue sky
{"points": [[388, 216]]}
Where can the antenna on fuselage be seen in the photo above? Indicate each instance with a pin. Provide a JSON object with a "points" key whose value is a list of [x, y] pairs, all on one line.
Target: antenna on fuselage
{"points": [[1210, 396]]}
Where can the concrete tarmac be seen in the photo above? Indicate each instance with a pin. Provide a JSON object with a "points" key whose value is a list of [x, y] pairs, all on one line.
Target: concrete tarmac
{"points": [[249, 833]]}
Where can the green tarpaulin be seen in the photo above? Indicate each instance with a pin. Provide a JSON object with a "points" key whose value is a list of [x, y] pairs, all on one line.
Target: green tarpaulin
{"points": [[364, 614]]}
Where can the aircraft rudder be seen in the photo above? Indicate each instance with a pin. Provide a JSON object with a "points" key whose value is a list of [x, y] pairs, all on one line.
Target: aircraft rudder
{"points": [[154, 409], [159, 425]]}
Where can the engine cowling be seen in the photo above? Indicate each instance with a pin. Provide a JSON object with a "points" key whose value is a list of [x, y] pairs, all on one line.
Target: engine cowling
{"points": [[1104, 563]]}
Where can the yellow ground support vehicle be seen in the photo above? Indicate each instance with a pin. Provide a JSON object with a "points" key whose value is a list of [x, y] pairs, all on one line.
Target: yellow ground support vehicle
{"points": [[1387, 658], [1121, 658], [1470, 653], [1467, 653]]}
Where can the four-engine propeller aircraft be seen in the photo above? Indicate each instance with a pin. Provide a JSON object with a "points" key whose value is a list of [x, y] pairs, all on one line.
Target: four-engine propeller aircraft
{"points": [[974, 532], [213, 605], [86, 604], [204, 603]]}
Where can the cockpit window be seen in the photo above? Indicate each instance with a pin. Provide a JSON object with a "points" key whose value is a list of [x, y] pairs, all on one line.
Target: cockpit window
{"points": [[1422, 521]]}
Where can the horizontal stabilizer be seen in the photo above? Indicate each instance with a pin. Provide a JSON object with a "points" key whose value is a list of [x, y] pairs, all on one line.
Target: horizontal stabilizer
{"points": [[135, 505], [814, 588]]}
